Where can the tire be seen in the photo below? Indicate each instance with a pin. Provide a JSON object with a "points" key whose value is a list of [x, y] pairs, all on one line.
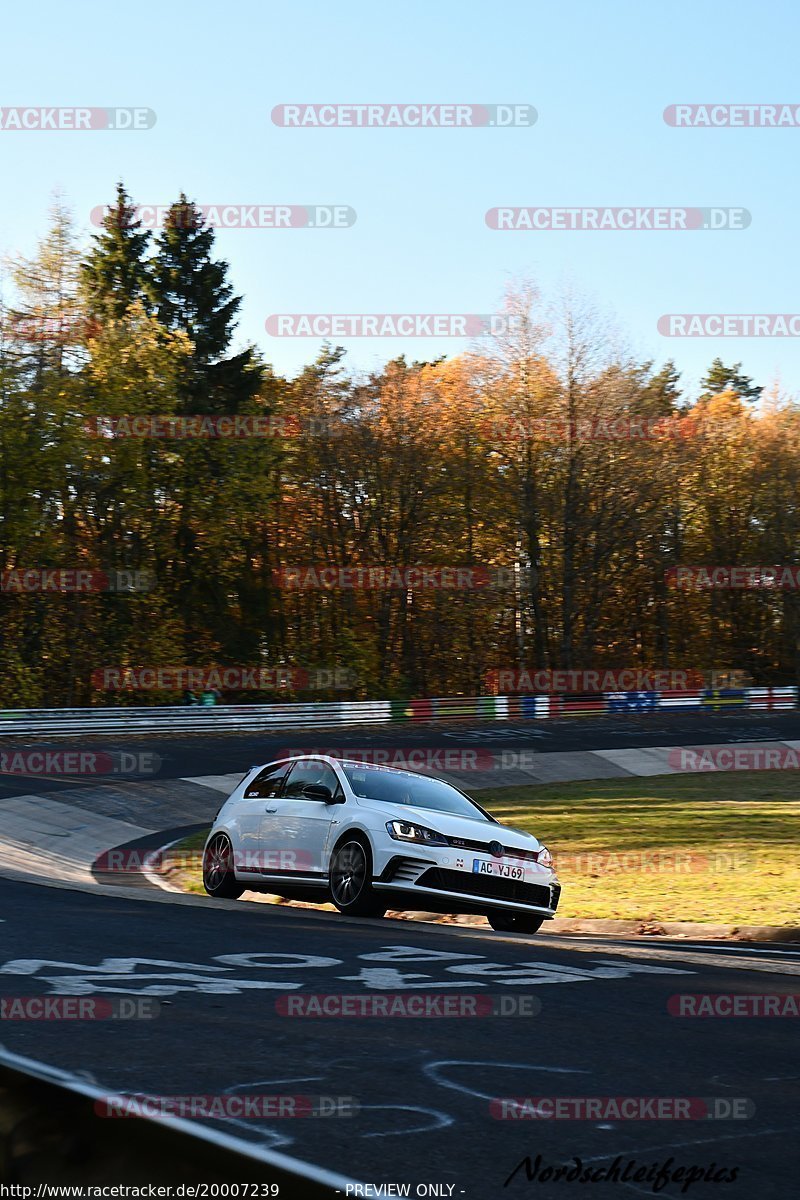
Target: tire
{"points": [[218, 877], [349, 879], [511, 922]]}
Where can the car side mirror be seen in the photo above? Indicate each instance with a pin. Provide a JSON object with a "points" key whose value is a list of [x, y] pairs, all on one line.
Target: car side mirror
{"points": [[318, 791]]}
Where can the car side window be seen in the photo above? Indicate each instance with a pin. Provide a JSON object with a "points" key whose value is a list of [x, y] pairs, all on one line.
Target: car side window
{"points": [[268, 782], [306, 772]]}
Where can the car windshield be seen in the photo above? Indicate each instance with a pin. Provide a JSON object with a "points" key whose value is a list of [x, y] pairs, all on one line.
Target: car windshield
{"points": [[404, 787]]}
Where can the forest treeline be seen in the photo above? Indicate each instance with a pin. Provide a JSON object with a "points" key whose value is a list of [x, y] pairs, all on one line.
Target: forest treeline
{"points": [[510, 459]]}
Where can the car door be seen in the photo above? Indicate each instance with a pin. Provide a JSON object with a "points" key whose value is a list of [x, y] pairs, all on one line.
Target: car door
{"points": [[259, 792], [294, 827]]}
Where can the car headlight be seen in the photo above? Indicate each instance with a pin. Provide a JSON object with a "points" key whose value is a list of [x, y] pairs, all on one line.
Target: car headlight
{"points": [[405, 831], [544, 858]]}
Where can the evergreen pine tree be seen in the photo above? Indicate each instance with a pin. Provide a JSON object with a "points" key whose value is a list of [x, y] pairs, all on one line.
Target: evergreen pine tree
{"points": [[192, 294], [114, 275], [720, 378]]}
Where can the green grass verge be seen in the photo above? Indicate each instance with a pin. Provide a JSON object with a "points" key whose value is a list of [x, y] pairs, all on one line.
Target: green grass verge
{"points": [[720, 847]]}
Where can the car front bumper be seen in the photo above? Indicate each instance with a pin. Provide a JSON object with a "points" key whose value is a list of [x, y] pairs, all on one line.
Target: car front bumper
{"points": [[432, 880]]}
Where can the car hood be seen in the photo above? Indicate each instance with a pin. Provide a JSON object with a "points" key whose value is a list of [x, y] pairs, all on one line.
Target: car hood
{"points": [[474, 830]]}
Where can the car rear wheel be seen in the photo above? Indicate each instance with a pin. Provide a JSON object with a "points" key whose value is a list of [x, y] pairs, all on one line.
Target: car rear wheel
{"points": [[511, 922], [350, 884], [218, 876]]}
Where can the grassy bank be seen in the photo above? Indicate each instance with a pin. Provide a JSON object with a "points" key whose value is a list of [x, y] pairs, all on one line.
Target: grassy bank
{"points": [[720, 847]]}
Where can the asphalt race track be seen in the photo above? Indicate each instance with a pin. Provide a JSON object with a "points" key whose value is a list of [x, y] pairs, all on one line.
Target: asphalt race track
{"points": [[593, 1020], [204, 754], [423, 1085]]}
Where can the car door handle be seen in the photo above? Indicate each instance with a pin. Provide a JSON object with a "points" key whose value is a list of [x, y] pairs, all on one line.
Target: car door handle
{"points": [[270, 810]]}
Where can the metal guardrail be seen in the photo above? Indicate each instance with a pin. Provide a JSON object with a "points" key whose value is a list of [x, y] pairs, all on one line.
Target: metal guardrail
{"points": [[51, 1132], [243, 718], [251, 718]]}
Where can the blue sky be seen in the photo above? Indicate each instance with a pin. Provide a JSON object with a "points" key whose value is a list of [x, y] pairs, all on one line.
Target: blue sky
{"points": [[599, 75]]}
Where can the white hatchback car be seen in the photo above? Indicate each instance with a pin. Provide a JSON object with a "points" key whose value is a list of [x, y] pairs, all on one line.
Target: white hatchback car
{"points": [[373, 838]]}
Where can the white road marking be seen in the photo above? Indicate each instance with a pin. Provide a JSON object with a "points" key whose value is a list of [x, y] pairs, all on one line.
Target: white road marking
{"points": [[137, 976], [152, 868], [739, 949], [432, 1070], [390, 979], [257, 1083], [267, 1136], [441, 1120], [413, 954], [544, 972], [301, 961], [75, 985]]}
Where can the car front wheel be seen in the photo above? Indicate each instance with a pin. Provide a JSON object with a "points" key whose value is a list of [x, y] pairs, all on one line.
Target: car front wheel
{"points": [[219, 879], [511, 922], [351, 888]]}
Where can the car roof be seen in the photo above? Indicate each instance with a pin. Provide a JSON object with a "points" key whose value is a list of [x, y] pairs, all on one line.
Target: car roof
{"points": [[341, 762], [365, 766]]}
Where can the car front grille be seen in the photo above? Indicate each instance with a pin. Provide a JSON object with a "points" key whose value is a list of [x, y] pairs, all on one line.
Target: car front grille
{"points": [[490, 886], [508, 851]]}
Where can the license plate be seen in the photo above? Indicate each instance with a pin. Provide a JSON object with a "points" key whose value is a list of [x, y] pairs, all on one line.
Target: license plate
{"points": [[505, 870]]}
